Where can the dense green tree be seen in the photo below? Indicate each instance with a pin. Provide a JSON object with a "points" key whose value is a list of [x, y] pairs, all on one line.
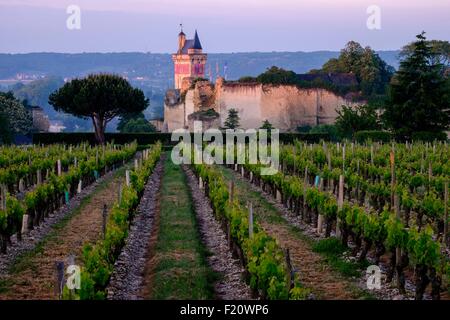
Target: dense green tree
{"points": [[351, 120], [232, 121], [419, 95], [19, 119], [125, 118], [440, 50], [138, 126], [372, 73], [135, 123], [267, 125], [100, 97], [5, 132], [275, 75]]}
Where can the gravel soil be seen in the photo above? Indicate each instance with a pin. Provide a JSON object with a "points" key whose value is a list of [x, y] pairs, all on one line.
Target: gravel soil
{"points": [[127, 278]]}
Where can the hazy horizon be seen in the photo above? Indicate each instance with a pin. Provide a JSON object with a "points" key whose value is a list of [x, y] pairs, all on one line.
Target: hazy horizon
{"points": [[232, 26]]}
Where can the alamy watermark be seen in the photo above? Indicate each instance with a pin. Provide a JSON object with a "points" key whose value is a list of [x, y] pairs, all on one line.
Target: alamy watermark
{"points": [[73, 21], [74, 277], [241, 146], [374, 20], [374, 277]]}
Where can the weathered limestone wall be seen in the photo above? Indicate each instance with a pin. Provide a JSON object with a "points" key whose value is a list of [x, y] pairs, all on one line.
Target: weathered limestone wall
{"points": [[173, 117], [286, 107], [246, 99]]}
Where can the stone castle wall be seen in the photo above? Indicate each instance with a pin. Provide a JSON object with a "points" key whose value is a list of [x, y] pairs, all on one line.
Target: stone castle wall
{"points": [[286, 107]]}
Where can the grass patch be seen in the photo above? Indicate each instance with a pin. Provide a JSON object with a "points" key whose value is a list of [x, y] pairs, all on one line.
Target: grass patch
{"points": [[182, 271], [329, 246], [332, 249], [5, 285]]}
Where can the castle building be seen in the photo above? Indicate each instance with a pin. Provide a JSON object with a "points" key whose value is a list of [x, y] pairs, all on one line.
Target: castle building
{"points": [[286, 107], [189, 61]]}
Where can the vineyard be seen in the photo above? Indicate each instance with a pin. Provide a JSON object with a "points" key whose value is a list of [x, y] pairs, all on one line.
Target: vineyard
{"points": [[81, 222], [379, 199]]}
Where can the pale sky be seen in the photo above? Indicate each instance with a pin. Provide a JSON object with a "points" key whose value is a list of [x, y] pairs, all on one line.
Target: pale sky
{"points": [[223, 25]]}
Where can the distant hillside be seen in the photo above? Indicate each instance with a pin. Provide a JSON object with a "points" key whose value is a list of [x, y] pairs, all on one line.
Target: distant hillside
{"points": [[158, 67]]}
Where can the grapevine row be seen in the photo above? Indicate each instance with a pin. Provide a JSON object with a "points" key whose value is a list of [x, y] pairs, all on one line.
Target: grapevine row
{"points": [[308, 186], [99, 258], [264, 259], [17, 215]]}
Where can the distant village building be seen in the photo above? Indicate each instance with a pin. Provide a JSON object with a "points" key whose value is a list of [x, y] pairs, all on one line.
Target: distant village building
{"points": [[56, 126], [40, 120], [286, 107]]}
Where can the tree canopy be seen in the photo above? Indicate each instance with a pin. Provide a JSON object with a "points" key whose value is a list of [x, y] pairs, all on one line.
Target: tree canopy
{"points": [[135, 123], [15, 114], [267, 125], [372, 72], [100, 97], [440, 50], [232, 121], [419, 95], [351, 120]]}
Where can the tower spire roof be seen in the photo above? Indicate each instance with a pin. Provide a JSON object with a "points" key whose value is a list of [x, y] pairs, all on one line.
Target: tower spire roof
{"points": [[197, 44], [181, 30]]}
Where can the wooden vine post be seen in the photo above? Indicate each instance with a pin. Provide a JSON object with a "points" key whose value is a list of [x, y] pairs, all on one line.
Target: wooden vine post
{"points": [[38, 176], [25, 219], [330, 180], [250, 220], [305, 184], [340, 205], [127, 177], [446, 237], [371, 154], [343, 158], [3, 197], [430, 175], [58, 163], [318, 184], [200, 183], [59, 285], [392, 161], [290, 269]]}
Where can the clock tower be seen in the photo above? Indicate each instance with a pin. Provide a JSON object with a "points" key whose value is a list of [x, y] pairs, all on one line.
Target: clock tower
{"points": [[189, 61]]}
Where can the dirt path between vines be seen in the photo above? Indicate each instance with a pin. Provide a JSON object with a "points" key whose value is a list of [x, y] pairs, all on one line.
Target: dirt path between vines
{"points": [[33, 275], [314, 273]]}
